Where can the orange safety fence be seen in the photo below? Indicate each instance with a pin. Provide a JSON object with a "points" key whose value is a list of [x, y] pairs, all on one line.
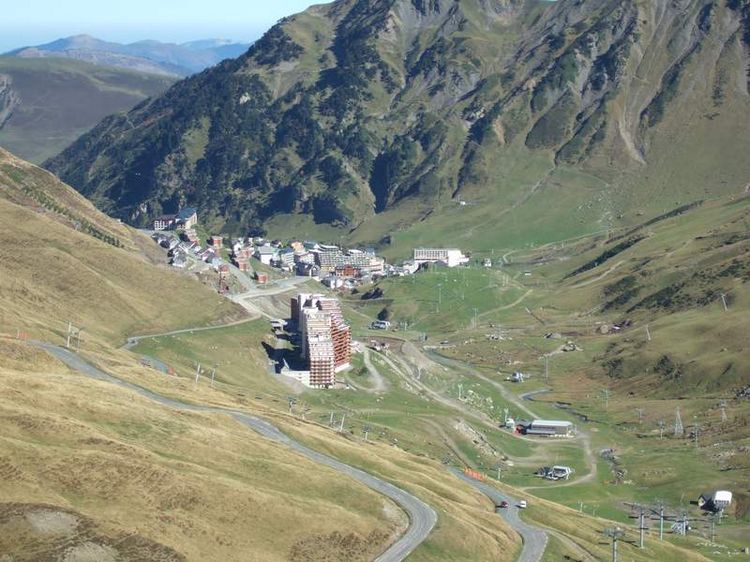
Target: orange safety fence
{"points": [[474, 474], [16, 336]]}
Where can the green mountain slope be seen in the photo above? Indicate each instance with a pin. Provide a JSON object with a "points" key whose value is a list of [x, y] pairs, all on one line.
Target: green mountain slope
{"points": [[377, 117], [45, 104]]}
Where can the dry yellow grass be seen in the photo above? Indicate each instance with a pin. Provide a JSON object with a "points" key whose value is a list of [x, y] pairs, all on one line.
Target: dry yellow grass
{"points": [[181, 485], [200, 484], [468, 528], [51, 273]]}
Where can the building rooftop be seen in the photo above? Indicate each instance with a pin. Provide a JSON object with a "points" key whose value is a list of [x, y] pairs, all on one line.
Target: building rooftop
{"points": [[186, 213], [553, 423]]}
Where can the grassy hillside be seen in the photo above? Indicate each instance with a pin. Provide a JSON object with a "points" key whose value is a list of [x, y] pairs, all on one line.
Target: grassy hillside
{"points": [[92, 471], [104, 473], [62, 260], [662, 278], [45, 104]]}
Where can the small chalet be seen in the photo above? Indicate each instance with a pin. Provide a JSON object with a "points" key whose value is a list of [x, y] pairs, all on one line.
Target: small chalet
{"points": [[266, 254], [165, 222], [187, 217]]}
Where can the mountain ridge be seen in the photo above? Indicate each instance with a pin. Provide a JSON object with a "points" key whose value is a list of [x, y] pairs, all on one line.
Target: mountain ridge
{"points": [[174, 59], [375, 117]]}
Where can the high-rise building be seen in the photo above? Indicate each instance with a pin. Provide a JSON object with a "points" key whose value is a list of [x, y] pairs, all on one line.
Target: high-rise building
{"points": [[325, 337]]}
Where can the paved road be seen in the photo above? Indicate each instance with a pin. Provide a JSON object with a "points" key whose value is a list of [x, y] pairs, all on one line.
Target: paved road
{"points": [[534, 538], [273, 288], [133, 340], [422, 518]]}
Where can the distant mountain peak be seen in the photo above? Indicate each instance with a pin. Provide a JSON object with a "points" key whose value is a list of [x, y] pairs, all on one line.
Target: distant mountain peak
{"points": [[147, 55]]}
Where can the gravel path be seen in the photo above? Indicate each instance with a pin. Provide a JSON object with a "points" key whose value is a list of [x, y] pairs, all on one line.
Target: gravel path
{"points": [[422, 518], [378, 380]]}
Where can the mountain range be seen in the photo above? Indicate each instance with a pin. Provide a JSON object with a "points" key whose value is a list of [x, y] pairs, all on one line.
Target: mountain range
{"points": [[145, 56], [378, 118], [45, 104]]}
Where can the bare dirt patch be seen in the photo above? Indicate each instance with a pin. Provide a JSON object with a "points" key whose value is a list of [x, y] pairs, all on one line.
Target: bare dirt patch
{"points": [[48, 533]]}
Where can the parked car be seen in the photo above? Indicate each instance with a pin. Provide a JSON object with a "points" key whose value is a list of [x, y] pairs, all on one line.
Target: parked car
{"points": [[522, 504], [503, 504]]}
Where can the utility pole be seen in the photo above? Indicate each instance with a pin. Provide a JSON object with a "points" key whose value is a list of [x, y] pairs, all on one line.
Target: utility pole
{"points": [[661, 429], [213, 375], [341, 427], [366, 429], [330, 423], [679, 431], [696, 431], [460, 391], [713, 528], [661, 520], [67, 341], [724, 302], [648, 333], [640, 411], [615, 533], [197, 374], [641, 527], [546, 368], [723, 406]]}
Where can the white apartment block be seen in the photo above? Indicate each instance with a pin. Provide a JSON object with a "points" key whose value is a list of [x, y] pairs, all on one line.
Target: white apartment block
{"points": [[451, 257]]}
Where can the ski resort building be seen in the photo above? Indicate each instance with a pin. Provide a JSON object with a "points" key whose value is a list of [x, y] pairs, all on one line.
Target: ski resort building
{"points": [[547, 428], [325, 337], [451, 257]]}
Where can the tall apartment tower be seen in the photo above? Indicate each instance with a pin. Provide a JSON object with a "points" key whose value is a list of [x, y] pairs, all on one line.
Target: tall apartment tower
{"points": [[325, 337]]}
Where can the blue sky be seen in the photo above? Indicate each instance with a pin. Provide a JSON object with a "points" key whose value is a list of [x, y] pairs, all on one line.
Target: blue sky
{"points": [[40, 21]]}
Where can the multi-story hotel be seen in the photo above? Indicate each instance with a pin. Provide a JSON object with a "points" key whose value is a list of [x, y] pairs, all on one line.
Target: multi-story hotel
{"points": [[325, 337]]}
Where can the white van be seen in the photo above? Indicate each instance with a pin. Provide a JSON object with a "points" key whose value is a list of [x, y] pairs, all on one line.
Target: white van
{"points": [[380, 325]]}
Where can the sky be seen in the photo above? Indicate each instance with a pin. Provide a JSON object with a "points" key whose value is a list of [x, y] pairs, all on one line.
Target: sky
{"points": [[41, 21]]}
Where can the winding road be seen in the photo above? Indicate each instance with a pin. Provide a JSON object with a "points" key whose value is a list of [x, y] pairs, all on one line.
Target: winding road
{"points": [[133, 340], [422, 518], [534, 538]]}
